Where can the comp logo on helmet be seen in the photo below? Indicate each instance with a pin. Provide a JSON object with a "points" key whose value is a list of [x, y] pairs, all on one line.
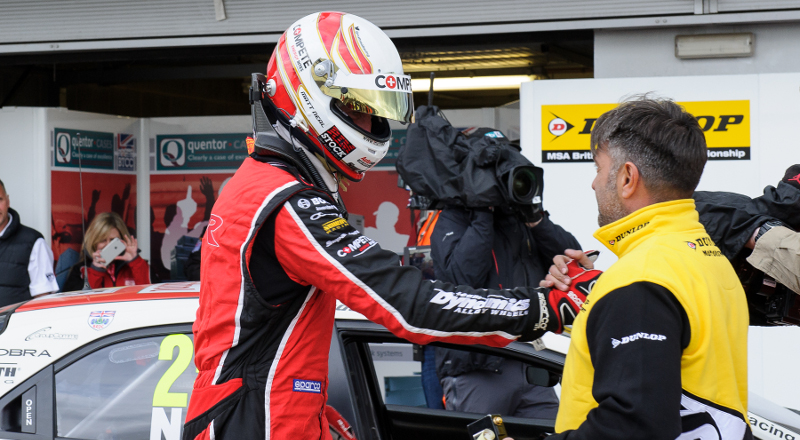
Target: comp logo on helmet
{"points": [[330, 65]]}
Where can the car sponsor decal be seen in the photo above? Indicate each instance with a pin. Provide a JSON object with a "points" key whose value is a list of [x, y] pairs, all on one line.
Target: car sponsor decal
{"points": [[19, 352], [336, 143], [188, 287], [470, 304], [303, 204], [45, 333], [765, 429], [306, 386], [8, 372], [102, 319]]}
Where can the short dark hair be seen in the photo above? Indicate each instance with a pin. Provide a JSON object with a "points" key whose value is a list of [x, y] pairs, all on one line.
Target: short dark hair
{"points": [[661, 138], [4, 187]]}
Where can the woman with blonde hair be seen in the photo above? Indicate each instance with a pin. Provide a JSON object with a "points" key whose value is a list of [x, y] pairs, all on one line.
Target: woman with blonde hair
{"points": [[127, 269]]}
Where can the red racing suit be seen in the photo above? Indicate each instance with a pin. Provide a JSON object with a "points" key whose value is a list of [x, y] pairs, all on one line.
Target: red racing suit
{"points": [[276, 255]]}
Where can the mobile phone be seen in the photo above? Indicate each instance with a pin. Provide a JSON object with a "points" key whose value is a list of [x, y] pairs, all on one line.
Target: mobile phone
{"points": [[112, 250], [490, 427]]}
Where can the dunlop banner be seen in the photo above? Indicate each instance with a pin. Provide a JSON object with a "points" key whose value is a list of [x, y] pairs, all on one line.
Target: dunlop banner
{"points": [[566, 129]]}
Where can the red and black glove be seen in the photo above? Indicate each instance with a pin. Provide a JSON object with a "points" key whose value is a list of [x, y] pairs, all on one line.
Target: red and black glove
{"points": [[565, 305]]}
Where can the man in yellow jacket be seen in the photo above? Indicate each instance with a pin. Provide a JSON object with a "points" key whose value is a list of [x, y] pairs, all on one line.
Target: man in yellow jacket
{"points": [[659, 350]]}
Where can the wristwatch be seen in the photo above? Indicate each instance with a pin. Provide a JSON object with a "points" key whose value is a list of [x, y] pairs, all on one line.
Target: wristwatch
{"points": [[766, 227]]}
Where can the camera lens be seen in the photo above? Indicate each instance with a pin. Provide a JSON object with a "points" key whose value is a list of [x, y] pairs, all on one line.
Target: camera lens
{"points": [[523, 182]]}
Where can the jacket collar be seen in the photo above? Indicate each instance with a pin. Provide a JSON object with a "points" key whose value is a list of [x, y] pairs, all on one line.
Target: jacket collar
{"points": [[625, 234], [12, 226]]}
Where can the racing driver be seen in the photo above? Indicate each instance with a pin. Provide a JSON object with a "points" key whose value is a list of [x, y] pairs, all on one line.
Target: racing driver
{"points": [[278, 251]]}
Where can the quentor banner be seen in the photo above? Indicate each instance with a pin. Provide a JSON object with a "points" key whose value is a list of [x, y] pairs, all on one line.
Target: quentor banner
{"points": [[566, 129], [181, 152]]}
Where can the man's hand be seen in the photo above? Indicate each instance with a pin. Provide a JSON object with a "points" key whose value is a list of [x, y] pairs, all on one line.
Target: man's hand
{"points": [[559, 275], [579, 279]]}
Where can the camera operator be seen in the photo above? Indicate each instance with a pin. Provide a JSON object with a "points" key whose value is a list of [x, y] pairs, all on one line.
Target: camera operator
{"points": [[493, 248], [762, 229]]}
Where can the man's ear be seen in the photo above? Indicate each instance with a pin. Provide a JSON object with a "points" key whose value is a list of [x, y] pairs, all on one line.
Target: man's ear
{"points": [[628, 180]]}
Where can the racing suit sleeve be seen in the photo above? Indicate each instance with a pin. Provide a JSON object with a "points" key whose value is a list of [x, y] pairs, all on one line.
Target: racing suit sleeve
{"points": [[637, 379], [316, 246], [551, 239], [461, 246]]}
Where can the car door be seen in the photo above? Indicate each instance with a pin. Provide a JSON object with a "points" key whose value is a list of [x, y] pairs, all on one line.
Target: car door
{"points": [[130, 385], [388, 401]]}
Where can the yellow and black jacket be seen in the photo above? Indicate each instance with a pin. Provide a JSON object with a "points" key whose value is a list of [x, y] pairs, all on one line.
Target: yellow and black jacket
{"points": [[660, 349]]}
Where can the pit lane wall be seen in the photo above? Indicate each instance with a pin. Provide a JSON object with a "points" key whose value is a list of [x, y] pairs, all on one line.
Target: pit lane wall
{"points": [[751, 131]]}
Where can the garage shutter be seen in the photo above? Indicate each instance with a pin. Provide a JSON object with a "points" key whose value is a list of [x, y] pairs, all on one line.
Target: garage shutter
{"points": [[26, 21]]}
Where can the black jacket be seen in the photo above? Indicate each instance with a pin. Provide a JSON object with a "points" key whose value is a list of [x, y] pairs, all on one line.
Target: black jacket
{"points": [[16, 245], [731, 219], [483, 249]]}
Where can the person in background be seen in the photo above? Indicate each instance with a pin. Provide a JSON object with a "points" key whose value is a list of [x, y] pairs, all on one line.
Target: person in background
{"points": [[128, 269], [26, 262], [494, 248], [761, 230]]}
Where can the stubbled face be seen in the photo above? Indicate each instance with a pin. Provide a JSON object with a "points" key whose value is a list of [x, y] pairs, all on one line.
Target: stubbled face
{"points": [[609, 204], [4, 204], [112, 234]]}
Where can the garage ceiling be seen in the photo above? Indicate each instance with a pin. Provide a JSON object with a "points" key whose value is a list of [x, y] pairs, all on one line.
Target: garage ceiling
{"points": [[195, 81]]}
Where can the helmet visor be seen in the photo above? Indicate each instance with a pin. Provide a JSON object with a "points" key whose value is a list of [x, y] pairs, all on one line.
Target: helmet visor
{"points": [[384, 95]]}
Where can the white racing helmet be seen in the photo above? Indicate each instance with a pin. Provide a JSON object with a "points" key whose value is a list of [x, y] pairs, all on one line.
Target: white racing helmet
{"points": [[325, 65]]}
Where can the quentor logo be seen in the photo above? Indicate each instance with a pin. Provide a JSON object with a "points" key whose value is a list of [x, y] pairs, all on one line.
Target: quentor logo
{"points": [[64, 148], [172, 152], [566, 129]]}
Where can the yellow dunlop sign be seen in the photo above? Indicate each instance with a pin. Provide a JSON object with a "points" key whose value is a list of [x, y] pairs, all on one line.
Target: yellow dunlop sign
{"points": [[566, 129]]}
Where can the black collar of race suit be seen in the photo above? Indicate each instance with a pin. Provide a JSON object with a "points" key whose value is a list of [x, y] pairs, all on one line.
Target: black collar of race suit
{"points": [[269, 148]]}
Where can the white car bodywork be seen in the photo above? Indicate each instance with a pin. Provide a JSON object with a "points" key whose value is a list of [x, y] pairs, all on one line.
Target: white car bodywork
{"points": [[46, 329]]}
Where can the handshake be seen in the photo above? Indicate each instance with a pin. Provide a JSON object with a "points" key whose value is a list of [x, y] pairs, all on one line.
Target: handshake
{"points": [[570, 280]]}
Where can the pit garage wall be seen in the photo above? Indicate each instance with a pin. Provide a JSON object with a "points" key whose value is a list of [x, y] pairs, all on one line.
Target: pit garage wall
{"points": [[162, 199], [772, 116], [44, 187]]}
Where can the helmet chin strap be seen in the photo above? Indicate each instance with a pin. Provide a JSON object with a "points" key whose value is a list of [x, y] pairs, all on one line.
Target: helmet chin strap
{"points": [[327, 175]]}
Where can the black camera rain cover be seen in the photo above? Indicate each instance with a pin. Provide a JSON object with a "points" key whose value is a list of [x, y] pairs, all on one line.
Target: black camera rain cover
{"points": [[452, 169]]}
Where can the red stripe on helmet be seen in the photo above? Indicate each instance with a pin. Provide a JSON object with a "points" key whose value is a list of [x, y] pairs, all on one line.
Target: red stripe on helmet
{"points": [[328, 24], [281, 99], [366, 66], [347, 56]]}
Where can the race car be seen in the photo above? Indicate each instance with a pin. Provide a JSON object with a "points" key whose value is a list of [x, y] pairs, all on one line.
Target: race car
{"points": [[118, 364]]}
